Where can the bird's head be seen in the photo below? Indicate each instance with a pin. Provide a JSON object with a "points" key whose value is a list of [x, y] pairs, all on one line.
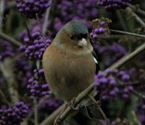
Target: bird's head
{"points": [[74, 35]]}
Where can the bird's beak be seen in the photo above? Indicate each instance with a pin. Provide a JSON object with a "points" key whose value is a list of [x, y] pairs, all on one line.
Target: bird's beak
{"points": [[82, 42]]}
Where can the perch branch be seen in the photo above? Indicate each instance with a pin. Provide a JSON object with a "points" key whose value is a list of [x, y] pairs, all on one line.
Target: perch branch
{"points": [[126, 58], [82, 95]]}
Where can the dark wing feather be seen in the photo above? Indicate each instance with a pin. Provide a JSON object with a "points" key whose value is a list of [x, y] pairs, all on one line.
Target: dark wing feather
{"points": [[96, 58], [96, 61]]}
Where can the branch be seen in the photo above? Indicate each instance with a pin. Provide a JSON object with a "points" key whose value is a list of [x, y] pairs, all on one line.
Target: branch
{"points": [[137, 9], [138, 19], [7, 69], [36, 118], [126, 58], [82, 95], [46, 22], [3, 97], [10, 39], [2, 3], [135, 119], [138, 94], [127, 33]]}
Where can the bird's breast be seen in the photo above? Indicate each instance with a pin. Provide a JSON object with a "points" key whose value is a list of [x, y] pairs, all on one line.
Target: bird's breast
{"points": [[67, 74]]}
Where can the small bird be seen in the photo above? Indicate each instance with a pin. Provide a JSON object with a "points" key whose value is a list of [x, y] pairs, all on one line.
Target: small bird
{"points": [[69, 62]]}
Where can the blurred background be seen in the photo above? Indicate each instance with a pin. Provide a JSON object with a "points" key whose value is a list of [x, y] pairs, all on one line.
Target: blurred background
{"points": [[27, 28]]}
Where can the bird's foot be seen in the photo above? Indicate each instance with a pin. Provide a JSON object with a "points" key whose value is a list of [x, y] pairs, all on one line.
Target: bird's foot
{"points": [[73, 105], [58, 120], [70, 104]]}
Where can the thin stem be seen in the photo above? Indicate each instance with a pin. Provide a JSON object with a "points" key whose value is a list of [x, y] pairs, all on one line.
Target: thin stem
{"points": [[38, 64], [135, 119], [4, 98], [127, 33], [99, 108], [2, 3], [138, 94], [36, 120], [9, 39], [28, 30], [138, 19], [38, 105], [46, 22], [128, 57], [7, 68], [137, 9], [121, 20], [24, 122]]}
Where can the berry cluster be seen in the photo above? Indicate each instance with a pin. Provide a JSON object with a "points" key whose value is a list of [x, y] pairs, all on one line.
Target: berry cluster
{"points": [[101, 28], [13, 115], [34, 44], [113, 4], [50, 104], [32, 8], [37, 85], [112, 84]]}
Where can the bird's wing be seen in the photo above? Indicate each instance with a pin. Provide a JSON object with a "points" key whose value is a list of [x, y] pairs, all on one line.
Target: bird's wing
{"points": [[96, 57], [96, 61]]}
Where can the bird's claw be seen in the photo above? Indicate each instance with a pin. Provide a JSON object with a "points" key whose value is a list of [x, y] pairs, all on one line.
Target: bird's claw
{"points": [[72, 105], [57, 120]]}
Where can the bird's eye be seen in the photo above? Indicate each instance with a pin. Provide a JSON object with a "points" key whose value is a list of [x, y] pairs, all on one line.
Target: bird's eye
{"points": [[84, 36], [72, 37], [79, 36]]}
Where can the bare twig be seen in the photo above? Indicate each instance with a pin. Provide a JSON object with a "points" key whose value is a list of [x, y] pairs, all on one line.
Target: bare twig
{"points": [[46, 22], [137, 9], [99, 108], [126, 58], [36, 120], [24, 122], [2, 2], [121, 20], [3, 96], [9, 39], [38, 105], [138, 94], [138, 19], [7, 70], [127, 33], [82, 95], [135, 119]]}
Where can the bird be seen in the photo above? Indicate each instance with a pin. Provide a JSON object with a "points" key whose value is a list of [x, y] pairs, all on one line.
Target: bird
{"points": [[70, 63]]}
